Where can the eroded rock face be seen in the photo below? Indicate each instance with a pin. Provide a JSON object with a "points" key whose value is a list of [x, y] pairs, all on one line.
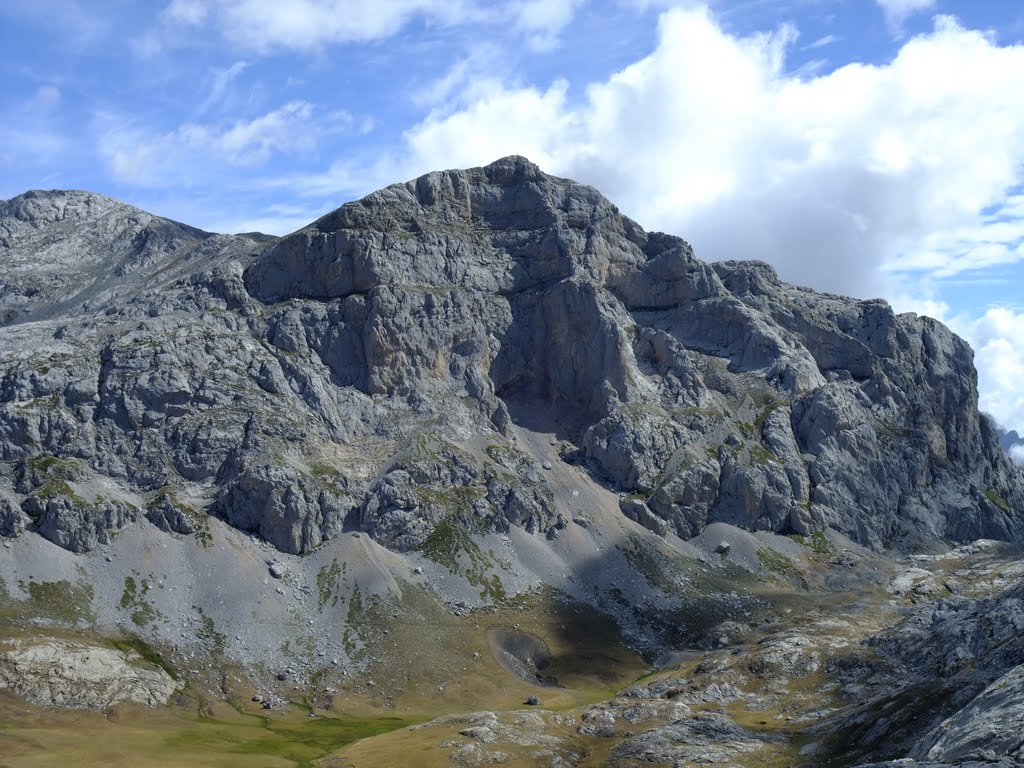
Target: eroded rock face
{"points": [[69, 675], [445, 308], [954, 669], [990, 726]]}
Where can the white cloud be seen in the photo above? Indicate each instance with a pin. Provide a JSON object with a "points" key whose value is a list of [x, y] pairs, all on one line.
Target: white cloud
{"points": [[35, 143], [192, 151], [190, 12], [264, 25], [472, 76], [220, 80], [851, 181], [997, 338], [821, 42], [1017, 454], [898, 11], [525, 118], [542, 20], [995, 238], [272, 220]]}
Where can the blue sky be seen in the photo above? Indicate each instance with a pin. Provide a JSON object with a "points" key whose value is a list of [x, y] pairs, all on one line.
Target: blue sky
{"points": [[869, 147]]}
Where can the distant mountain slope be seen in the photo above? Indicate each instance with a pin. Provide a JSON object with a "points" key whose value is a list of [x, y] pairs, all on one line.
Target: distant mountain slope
{"points": [[1013, 444]]}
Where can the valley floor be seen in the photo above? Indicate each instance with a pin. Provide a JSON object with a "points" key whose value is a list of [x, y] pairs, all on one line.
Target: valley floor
{"points": [[809, 676]]}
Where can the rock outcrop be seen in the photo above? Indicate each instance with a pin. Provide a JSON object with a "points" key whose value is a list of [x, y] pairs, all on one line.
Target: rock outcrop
{"points": [[287, 379], [952, 673], [75, 676]]}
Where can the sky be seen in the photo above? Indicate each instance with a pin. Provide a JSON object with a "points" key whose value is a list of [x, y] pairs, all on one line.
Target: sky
{"points": [[872, 148]]}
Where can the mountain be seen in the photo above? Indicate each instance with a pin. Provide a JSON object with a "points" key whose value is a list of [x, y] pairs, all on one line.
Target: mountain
{"points": [[1012, 443], [440, 312], [1009, 439], [462, 404]]}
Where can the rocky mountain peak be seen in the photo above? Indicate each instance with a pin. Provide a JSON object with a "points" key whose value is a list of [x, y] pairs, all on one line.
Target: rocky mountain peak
{"points": [[39, 208], [66, 248], [504, 227], [509, 193]]}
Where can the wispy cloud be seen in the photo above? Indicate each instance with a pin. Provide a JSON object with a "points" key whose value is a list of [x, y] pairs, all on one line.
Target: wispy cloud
{"points": [[192, 152], [220, 81], [189, 12], [898, 11], [265, 26], [821, 42], [542, 21], [1017, 454]]}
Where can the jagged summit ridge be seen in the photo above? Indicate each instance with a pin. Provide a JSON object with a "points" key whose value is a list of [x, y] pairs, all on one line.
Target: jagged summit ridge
{"points": [[374, 369]]}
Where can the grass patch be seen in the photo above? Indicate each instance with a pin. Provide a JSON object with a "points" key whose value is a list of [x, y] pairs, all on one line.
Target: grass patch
{"points": [[992, 495], [765, 412], [147, 652], [327, 477], [327, 579], [890, 430], [772, 560], [133, 599], [46, 464], [58, 486], [456, 499], [61, 600], [819, 543], [145, 738], [452, 546], [303, 743], [655, 566], [447, 542], [130, 592], [690, 411], [761, 455], [209, 633]]}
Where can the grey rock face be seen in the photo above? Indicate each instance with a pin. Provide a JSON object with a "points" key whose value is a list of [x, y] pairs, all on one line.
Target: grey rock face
{"points": [[436, 482], [12, 519], [1009, 439], [636, 510], [990, 727], [62, 248], [59, 674], [289, 511], [955, 676], [169, 515], [284, 380], [77, 526], [701, 740]]}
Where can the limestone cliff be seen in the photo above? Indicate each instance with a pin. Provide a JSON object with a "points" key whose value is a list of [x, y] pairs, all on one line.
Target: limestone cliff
{"points": [[365, 371]]}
